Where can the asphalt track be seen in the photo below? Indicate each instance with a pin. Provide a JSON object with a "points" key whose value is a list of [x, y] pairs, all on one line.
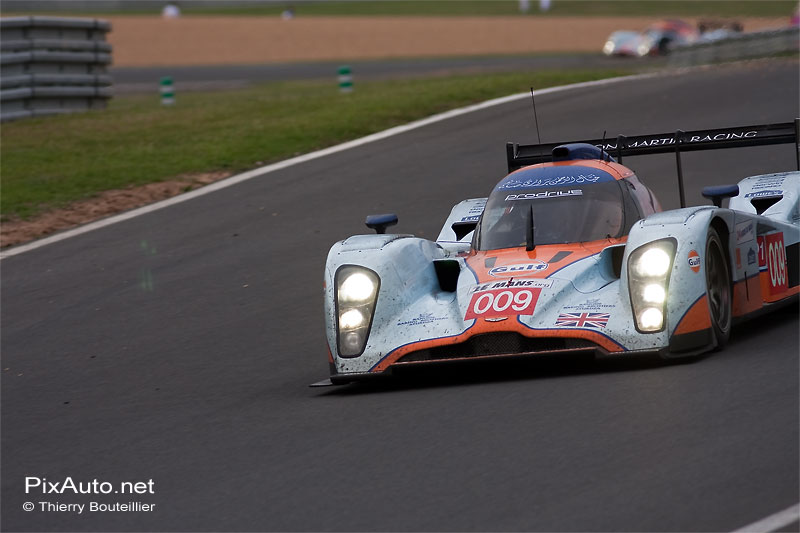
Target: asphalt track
{"points": [[178, 346], [146, 79]]}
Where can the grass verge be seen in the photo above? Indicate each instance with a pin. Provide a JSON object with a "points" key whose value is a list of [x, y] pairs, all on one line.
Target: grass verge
{"points": [[50, 162]]}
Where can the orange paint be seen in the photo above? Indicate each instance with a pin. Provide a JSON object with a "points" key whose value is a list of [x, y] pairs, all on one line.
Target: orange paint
{"points": [[746, 296], [697, 318], [616, 170], [768, 292], [544, 254]]}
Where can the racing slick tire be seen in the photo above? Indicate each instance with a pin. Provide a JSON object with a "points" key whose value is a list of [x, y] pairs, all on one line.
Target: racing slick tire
{"points": [[718, 289]]}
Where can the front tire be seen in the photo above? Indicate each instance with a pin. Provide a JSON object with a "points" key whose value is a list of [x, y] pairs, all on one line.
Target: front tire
{"points": [[718, 288]]}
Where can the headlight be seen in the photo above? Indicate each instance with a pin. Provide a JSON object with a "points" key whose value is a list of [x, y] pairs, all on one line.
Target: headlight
{"points": [[651, 318], [649, 267], [357, 287], [654, 293], [653, 262], [608, 48], [356, 295], [351, 319]]}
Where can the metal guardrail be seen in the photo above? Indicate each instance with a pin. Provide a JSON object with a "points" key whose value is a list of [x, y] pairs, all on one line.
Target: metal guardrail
{"points": [[52, 65], [741, 46]]}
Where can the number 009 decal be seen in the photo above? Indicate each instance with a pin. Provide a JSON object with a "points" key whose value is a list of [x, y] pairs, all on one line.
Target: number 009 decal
{"points": [[502, 302], [775, 253]]}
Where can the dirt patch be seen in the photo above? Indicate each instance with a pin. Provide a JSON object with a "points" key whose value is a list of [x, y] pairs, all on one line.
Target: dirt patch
{"points": [[153, 41], [17, 231]]}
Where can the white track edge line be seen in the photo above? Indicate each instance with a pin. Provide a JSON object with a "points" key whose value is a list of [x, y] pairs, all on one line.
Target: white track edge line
{"points": [[773, 522], [250, 174]]}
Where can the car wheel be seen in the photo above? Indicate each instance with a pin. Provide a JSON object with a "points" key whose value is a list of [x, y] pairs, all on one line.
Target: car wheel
{"points": [[718, 288]]}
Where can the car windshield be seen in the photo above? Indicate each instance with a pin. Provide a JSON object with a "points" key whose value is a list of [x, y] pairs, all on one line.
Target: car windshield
{"points": [[575, 213]]}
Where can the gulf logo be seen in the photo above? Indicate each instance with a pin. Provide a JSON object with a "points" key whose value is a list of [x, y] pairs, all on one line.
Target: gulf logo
{"points": [[517, 269], [694, 261]]}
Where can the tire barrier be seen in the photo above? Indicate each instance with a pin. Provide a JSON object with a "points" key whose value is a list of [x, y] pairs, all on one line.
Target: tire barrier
{"points": [[740, 46], [53, 65]]}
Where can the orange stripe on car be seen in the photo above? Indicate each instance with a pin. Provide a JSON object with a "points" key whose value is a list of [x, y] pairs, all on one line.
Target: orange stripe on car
{"points": [[747, 296], [616, 170], [697, 318], [543, 253]]}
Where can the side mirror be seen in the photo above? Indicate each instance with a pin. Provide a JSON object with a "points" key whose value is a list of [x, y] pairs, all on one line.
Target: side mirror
{"points": [[380, 222], [717, 193]]}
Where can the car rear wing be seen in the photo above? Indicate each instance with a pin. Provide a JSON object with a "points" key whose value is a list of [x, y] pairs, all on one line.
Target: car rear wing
{"points": [[679, 141]]}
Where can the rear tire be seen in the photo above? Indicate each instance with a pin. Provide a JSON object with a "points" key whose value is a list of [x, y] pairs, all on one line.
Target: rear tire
{"points": [[718, 288]]}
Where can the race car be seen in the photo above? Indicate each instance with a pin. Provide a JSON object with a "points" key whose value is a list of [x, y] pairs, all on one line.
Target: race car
{"points": [[570, 252], [662, 37], [656, 39]]}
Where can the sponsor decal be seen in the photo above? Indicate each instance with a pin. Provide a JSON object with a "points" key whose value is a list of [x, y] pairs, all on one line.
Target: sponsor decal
{"points": [[738, 259], [555, 181], [421, 319], [762, 253], [545, 194], [751, 256], [507, 302], [762, 194], [776, 263], [668, 141], [582, 320], [477, 208], [745, 232], [722, 136], [638, 144], [589, 305], [694, 261], [473, 218], [518, 269], [527, 283], [769, 182]]}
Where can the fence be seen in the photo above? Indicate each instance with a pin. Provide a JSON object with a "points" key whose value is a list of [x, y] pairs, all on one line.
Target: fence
{"points": [[742, 46], [51, 65]]}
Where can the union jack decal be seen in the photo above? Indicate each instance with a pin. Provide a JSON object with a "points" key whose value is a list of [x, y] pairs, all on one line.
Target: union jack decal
{"points": [[583, 320]]}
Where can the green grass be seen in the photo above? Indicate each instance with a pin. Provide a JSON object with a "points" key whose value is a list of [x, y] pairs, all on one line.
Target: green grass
{"points": [[49, 162], [654, 8]]}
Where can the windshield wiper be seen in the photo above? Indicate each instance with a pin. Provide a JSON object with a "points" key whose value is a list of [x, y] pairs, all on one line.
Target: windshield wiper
{"points": [[529, 235]]}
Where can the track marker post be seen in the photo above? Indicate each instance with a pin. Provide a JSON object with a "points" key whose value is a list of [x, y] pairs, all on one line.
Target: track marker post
{"points": [[345, 79], [167, 91]]}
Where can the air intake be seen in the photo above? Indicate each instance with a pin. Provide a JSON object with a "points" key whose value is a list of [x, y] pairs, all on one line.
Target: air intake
{"points": [[762, 204]]}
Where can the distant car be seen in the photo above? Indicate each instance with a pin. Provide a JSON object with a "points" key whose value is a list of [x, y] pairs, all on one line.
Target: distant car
{"points": [[569, 253], [656, 39], [660, 38]]}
